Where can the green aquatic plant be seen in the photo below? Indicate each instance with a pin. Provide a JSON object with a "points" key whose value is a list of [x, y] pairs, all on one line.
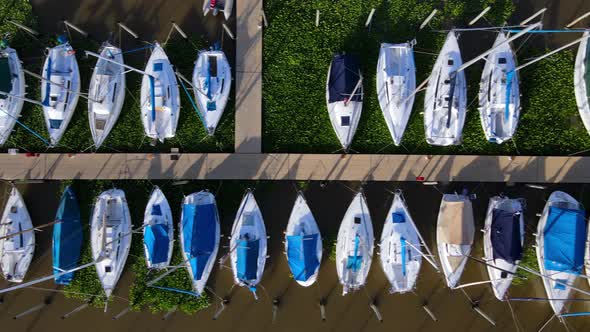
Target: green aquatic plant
{"points": [[529, 259]]}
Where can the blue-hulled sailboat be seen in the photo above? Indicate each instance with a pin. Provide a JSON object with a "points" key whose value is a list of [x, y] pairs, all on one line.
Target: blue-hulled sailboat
{"points": [[158, 231], [199, 236], [67, 237], [303, 244]]}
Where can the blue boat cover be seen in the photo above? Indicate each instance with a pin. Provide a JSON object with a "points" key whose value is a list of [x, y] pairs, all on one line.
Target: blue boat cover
{"points": [[505, 235], [302, 255], [398, 218], [67, 237], [343, 78], [247, 259], [199, 226], [354, 262], [157, 242], [403, 252], [564, 240], [156, 210]]}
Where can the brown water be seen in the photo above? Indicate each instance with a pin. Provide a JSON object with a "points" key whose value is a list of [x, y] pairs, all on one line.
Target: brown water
{"points": [[299, 309]]}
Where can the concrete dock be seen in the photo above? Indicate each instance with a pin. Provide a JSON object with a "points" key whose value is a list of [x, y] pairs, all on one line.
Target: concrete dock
{"points": [[358, 167]]}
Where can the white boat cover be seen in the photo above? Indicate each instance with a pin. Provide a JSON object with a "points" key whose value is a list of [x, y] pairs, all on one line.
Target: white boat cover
{"points": [[12, 82], [158, 231], [60, 89], [455, 232], [110, 237], [303, 243], [396, 82], [445, 103], [160, 101], [399, 256], [499, 93], [212, 82], [582, 80], [354, 245], [248, 244], [107, 88], [16, 252]]}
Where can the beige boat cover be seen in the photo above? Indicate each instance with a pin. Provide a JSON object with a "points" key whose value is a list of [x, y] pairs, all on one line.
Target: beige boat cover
{"points": [[455, 223]]}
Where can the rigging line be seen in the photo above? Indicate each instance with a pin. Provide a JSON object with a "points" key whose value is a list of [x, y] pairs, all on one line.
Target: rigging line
{"points": [[513, 314], [72, 292]]}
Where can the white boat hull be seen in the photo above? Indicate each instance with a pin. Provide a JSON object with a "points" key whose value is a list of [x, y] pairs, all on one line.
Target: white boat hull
{"points": [[356, 224], [106, 93], [60, 97], [110, 237], [445, 103], [11, 106], [227, 7], [16, 252], [581, 79], [160, 108], [396, 82]]}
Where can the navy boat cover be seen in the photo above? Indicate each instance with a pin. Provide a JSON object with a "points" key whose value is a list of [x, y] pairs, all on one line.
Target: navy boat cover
{"points": [[67, 237], [247, 263], [157, 242], [564, 240], [302, 255], [505, 235], [343, 78], [199, 227]]}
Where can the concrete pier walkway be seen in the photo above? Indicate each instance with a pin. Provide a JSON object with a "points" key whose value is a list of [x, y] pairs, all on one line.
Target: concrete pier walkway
{"points": [[248, 77], [221, 166]]}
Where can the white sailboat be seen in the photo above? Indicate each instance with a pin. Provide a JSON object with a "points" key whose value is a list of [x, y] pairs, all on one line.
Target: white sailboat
{"points": [[344, 96], [160, 98], [248, 244], [16, 251], [503, 242], [158, 231], [107, 88], [216, 6], [212, 85], [582, 80], [199, 236], [60, 89], [12, 86], [499, 93], [354, 245], [396, 82], [303, 243], [110, 237], [445, 103], [560, 243], [455, 231]]}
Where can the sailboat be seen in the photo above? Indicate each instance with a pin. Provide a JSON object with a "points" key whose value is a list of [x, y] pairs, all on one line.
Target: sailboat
{"points": [[303, 243], [560, 243], [445, 103], [454, 235], [12, 86], [248, 244], [158, 231], [400, 255], [67, 237], [216, 6], [582, 80], [110, 237], [396, 82], [503, 242], [199, 236], [107, 88], [17, 240], [159, 98], [212, 85], [354, 245], [344, 96], [60, 88], [499, 93]]}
